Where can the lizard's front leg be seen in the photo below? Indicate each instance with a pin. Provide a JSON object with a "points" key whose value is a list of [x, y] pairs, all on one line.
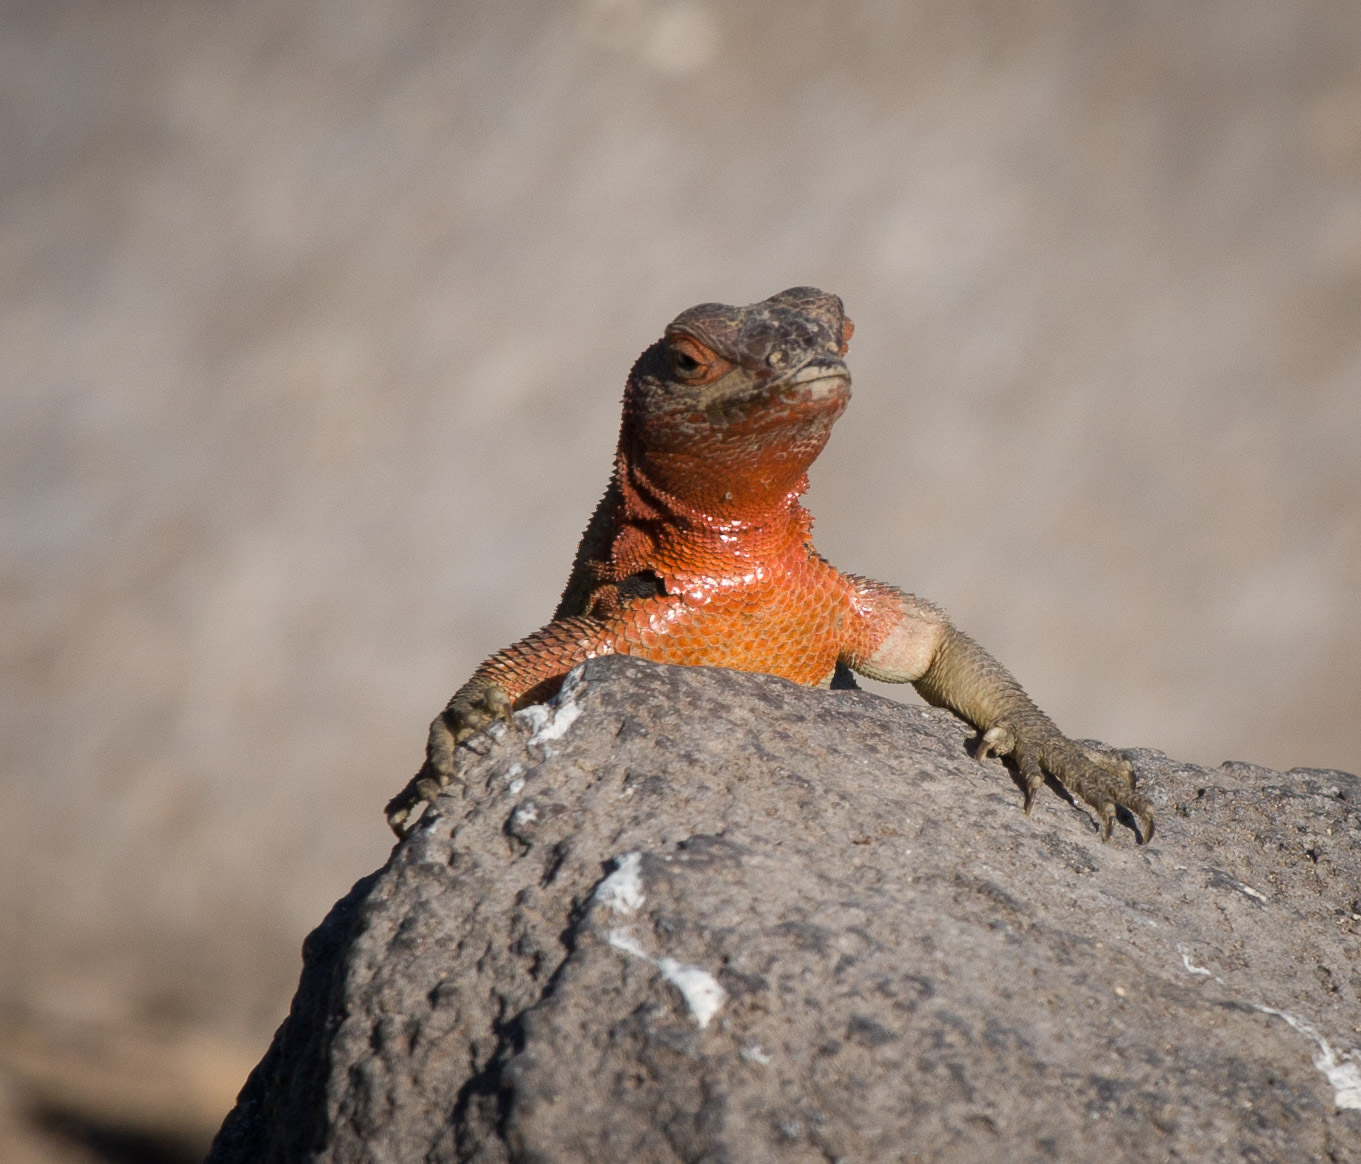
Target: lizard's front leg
{"points": [[906, 640], [525, 672]]}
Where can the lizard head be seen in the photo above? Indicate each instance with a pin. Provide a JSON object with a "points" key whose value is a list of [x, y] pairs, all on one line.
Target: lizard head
{"points": [[729, 408]]}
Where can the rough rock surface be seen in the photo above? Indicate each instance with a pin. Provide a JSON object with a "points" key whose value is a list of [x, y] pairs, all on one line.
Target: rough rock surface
{"points": [[690, 914]]}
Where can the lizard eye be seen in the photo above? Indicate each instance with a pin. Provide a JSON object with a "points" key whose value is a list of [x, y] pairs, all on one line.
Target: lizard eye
{"points": [[690, 360]]}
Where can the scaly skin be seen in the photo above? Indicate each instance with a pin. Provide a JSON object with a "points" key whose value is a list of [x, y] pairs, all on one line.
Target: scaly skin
{"points": [[700, 553]]}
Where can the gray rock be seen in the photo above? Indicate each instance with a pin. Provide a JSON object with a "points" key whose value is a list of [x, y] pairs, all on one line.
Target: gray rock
{"points": [[699, 915]]}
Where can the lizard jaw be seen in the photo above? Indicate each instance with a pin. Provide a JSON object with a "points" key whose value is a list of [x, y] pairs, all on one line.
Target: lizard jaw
{"points": [[817, 382]]}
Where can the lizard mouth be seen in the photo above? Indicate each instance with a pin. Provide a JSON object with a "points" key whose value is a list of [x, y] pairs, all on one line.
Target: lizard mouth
{"points": [[818, 381]]}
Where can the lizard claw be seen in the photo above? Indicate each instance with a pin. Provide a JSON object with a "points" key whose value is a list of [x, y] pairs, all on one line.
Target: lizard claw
{"points": [[475, 707], [1105, 781], [1107, 814], [1102, 779], [1033, 777], [1127, 798], [402, 810], [1000, 740]]}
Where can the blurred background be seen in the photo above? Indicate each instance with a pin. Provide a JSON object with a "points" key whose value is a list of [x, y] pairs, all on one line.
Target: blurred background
{"points": [[314, 318]]}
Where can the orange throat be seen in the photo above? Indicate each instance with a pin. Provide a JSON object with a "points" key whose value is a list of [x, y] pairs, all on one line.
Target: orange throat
{"points": [[701, 553]]}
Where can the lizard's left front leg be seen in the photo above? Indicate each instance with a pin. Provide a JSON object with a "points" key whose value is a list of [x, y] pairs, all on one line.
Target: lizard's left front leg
{"points": [[901, 639], [525, 672]]}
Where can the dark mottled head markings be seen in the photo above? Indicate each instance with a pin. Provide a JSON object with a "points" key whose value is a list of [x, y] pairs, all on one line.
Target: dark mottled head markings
{"points": [[744, 397], [780, 334]]}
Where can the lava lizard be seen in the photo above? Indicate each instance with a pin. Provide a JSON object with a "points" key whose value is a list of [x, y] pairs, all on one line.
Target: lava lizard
{"points": [[700, 553]]}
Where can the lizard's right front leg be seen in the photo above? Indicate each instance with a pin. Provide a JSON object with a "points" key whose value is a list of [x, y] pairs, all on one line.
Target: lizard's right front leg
{"points": [[526, 672], [907, 640]]}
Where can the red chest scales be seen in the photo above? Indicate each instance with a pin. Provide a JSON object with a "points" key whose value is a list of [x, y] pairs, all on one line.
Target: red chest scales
{"points": [[783, 617]]}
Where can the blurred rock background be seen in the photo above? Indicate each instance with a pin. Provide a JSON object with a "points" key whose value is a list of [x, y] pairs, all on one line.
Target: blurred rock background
{"points": [[314, 318]]}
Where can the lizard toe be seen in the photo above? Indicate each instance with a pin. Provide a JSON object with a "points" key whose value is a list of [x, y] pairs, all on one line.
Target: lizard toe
{"points": [[998, 740], [1106, 812], [1032, 776], [399, 810], [1112, 762]]}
